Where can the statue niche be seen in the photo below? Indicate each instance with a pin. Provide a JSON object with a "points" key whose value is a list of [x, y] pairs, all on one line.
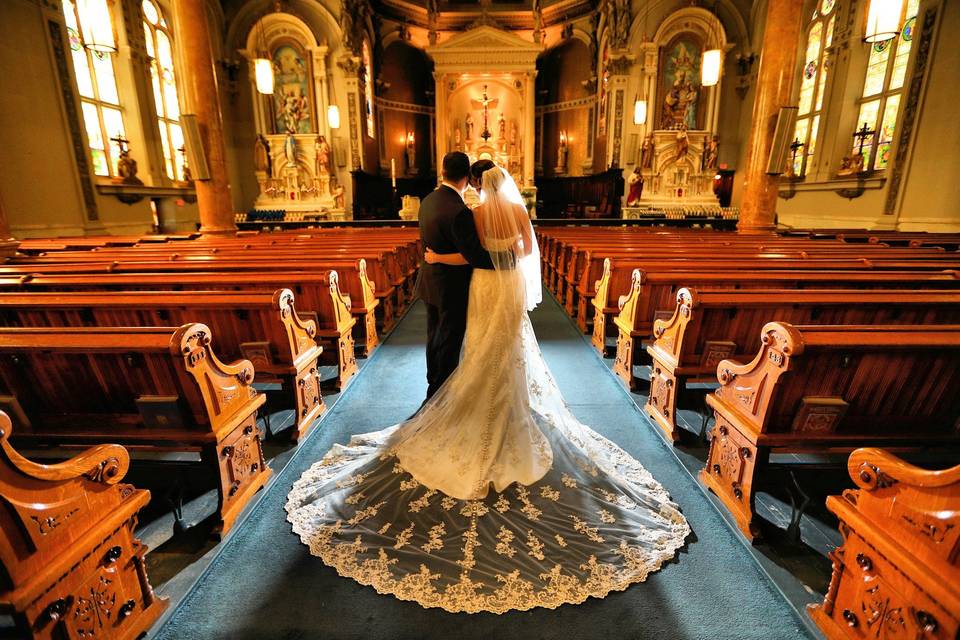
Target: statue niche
{"points": [[292, 151], [680, 84]]}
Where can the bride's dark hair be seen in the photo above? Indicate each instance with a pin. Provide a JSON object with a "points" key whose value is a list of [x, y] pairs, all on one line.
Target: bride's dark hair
{"points": [[477, 169]]}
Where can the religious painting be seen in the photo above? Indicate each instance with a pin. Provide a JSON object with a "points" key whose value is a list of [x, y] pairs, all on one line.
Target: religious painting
{"points": [[680, 83], [291, 94]]}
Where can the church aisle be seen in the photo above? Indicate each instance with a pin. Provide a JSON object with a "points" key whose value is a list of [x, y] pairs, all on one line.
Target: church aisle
{"points": [[265, 584]]}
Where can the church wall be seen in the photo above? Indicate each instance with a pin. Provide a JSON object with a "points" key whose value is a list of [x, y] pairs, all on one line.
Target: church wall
{"points": [[561, 74], [40, 179], [929, 190], [407, 74]]}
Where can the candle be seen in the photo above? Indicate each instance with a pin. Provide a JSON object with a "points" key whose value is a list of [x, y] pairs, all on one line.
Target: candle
{"points": [[393, 172]]}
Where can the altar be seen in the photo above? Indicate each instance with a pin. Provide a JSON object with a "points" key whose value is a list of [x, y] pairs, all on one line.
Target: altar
{"points": [[677, 157], [485, 99], [293, 150]]}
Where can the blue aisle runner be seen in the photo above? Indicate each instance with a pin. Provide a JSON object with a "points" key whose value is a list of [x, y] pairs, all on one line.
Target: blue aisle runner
{"points": [[265, 584]]}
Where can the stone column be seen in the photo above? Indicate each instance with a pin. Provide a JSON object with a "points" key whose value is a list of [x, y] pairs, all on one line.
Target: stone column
{"points": [[441, 129], [774, 90], [200, 82], [529, 91]]}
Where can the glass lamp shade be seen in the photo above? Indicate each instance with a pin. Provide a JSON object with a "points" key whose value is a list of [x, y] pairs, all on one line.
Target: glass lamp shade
{"points": [[96, 26], [710, 67], [333, 116], [640, 112], [263, 71], [883, 20]]}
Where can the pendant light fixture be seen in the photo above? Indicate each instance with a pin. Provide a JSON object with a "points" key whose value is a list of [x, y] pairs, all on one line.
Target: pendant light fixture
{"points": [[96, 26], [640, 104], [263, 65], [883, 20], [710, 67], [711, 63], [639, 111]]}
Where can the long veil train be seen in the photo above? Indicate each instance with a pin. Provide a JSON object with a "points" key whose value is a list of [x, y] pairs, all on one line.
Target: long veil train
{"points": [[409, 509]]}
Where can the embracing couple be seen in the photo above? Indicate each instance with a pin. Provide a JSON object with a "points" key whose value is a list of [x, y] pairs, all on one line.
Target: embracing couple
{"points": [[493, 496]]}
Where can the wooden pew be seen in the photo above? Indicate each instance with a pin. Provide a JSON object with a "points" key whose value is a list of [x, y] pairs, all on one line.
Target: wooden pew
{"points": [[261, 327], [365, 294], [158, 388], [318, 298], [828, 388], [898, 569], [713, 325], [66, 535], [652, 293]]}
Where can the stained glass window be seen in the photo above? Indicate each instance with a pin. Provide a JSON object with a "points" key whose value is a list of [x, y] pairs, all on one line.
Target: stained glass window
{"points": [[163, 77], [882, 84], [97, 86], [813, 83], [368, 87]]}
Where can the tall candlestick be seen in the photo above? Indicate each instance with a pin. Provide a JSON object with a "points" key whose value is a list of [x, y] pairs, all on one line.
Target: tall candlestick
{"points": [[393, 172]]}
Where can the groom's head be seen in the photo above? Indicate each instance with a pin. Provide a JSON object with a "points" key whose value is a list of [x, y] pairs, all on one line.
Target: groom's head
{"points": [[456, 169]]}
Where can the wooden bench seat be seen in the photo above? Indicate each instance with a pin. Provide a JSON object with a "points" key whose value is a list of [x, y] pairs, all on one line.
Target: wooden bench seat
{"points": [[365, 293], [898, 567], [261, 327], [318, 298], [713, 325], [157, 387], [66, 534], [819, 388], [652, 293]]}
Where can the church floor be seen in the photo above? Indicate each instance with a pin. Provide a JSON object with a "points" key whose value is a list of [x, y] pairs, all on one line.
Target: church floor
{"points": [[264, 584]]}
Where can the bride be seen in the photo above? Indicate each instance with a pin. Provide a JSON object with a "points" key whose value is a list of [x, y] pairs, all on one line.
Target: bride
{"points": [[493, 497]]}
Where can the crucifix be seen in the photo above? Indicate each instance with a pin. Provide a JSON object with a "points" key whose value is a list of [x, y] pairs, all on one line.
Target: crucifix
{"points": [[795, 147], [862, 135], [485, 103]]}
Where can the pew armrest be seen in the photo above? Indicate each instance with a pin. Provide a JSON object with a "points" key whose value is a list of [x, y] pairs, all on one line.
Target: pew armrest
{"points": [[668, 335], [105, 464], [747, 390]]}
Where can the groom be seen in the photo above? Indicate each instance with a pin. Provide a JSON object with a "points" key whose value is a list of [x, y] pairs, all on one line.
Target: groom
{"points": [[446, 226]]}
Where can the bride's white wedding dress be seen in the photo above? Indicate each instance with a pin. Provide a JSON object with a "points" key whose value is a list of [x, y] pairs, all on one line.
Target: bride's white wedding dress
{"points": [[494, 496]]}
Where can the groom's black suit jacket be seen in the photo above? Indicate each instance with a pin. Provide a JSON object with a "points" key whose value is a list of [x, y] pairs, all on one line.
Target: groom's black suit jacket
{"points": [[446, 226]]}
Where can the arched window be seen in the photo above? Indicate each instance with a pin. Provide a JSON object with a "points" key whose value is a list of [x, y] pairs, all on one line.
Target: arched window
{"points": [[882, 87], [96, 83], [164, 81], [368, 87], [813, 81]]}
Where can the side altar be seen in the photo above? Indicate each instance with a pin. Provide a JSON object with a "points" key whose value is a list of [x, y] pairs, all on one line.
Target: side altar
{"points": [[294, 148], [677, 158]]}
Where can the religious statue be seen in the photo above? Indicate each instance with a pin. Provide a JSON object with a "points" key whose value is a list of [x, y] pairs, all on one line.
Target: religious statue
{"points": [[679, 103], [710, 155], [290, 150], [851, 165], [501, 127], [261, 155], [619, 16], [411, 155], [323, 156], [468, 123], [683, 145], [562, 151], [646, 153], [635, 182], [457, 141], [337, 191], [127, 168]]}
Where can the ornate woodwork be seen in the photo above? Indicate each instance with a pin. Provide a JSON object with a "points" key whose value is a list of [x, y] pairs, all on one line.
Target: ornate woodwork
{"points": [[72, 567], [897, 573], [88, 385], [766, 404]]}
